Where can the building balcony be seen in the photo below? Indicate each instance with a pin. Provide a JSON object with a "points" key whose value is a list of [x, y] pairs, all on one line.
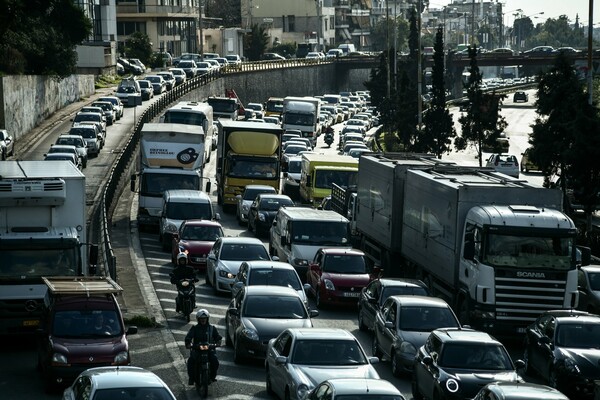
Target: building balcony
{"points": [[135, 10], [342, 4]]}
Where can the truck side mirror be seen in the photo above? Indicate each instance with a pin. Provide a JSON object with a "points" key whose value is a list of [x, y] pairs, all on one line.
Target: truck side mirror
{"points": [[586, 255], [132, 183], [93, 259], [208, 185]]}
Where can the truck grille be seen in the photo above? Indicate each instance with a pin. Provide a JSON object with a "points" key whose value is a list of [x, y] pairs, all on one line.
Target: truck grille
{"points": [[524, 299]]}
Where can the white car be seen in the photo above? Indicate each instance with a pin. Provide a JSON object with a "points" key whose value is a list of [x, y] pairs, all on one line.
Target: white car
{"points": [[504, 163], [116, 102], [226, 256], [301, 358], [7, 144]]}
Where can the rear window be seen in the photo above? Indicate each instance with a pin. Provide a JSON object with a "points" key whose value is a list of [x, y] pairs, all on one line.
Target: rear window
{"points": [[86, 323]]}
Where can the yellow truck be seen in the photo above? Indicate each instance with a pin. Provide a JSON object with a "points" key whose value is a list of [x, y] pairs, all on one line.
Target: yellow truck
{"points": [[320, 171]]}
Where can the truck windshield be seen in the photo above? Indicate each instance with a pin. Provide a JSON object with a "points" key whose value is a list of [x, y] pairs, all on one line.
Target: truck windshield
{"points": [[275, 106], [298, 119], [324, 178], [37, 260], [188, 211], [183, 117], [253, 167], [155, 184], [528, 251], [86, 323], [322, 233], [222, 105]]}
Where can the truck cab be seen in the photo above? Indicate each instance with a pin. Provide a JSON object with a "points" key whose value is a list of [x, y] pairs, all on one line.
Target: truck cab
{"points": [[319, 172], [82, 328]]}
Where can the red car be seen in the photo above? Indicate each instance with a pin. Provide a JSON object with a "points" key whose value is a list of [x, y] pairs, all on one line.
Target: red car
{"points": [[337, 276], [196, 237]]}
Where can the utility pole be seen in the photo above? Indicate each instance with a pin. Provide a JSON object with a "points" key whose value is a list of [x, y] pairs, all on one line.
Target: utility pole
{"points": [[419, 68], [201, 28], [319, 25], [590, 71]]}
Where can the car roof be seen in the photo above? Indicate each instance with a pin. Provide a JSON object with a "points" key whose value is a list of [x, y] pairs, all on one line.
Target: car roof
{"points": [[342, 251], [260, 187], [591, 268], [357, 386], [401, 282], [464, 335], [568, 313], [64, 146], [321, 333], [260, 290], [201, 222], [524, 391], [266, 264], [425, 301], [60, 156], [239, 239], [273, 196], [123, 377], [68, 136]]}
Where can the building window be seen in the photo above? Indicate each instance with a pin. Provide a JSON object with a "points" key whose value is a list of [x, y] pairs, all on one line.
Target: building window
{"points": [[291, 23], [331, 22], [126, 28]]}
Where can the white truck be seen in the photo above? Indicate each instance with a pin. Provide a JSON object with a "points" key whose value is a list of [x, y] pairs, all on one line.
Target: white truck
{"points": [[497, 248], [42, 234], [302, 113], [171, 157]]}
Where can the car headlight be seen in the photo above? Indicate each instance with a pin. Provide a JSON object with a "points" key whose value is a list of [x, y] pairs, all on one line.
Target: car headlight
{"points": [[571, 366], [302, 391], [245, 208], [300, 262], [261, 217], [226, 274], [328, 284], [452, 385], [170, 228], [408, 348], [250, 334], [121, 358], [58, 358]]}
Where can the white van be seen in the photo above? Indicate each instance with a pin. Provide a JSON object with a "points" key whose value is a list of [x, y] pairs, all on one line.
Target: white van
{"points": [[180, 205], [347, 48]]}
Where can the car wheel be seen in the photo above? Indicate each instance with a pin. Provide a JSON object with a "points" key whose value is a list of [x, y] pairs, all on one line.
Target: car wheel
{"points": [[361, 322], [237, 354], [318, 298], [268, 383], [396, 370], [228, 341], [552, 382], [375, 350], [415, 389]]}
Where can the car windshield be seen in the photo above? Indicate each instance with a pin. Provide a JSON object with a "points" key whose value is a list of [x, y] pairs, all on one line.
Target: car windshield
{"points": [[86, 323], [594, 279], [87, 117], [248, 167], [426, 319], [133, 393], [578, 335], [344, 264], [145, 84], [274, 204], [294, 167], [153, 79], [529, 251], [61, 149], [251, 193], [475, 356], [69, 142], [322, 233], [325, 178], [84, 133], [328, 352], [243, 252], [203, 233], [222, 105], [183, 211], [274, 307], [298, 119], [274, 277]]}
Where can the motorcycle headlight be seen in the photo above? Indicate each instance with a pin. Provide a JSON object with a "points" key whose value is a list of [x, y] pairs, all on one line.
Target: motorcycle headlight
{"points": [[121, 358], [261, 217], [250, 334], [408, 348], [571, 366], [452, 385], [58, 358], [300, 262], [328, 284], [185, 283], [302, 391]]}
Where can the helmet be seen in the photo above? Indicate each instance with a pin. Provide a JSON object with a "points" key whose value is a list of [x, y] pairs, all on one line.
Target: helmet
{"points": [[203, 313], [182, 258]]}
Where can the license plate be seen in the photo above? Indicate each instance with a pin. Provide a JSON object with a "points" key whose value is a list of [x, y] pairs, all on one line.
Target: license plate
{"points": [[351, 294], [520, 330], [31, 322]]}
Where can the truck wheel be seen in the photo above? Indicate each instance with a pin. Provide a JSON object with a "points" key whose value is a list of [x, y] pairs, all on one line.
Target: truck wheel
{"points": [[361, 322]]}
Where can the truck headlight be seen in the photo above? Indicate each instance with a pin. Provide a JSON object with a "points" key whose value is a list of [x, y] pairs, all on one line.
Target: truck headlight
{"points": [[302, 391], [58, 358], [250, 334], [121, 358], [328, 284], [300, 262]]}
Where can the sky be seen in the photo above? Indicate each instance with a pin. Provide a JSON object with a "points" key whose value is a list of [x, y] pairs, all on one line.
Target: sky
{"points": [[551, 9]]}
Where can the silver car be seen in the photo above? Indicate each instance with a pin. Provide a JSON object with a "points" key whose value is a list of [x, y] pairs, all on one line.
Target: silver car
{"points": [[273, 273], [301, 358], [247, 197], [78, 142], [7, 144]]}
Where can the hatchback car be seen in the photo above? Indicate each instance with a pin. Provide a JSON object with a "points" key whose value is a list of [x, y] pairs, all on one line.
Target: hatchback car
{"points": [[270, 273], [456, 363], [109, 112], [563, 348], [376, 293], [179, 74], [63, 148], [117, 105], [247, 197], [226, 256], [337, 276], [92, 136], [158, 83], [263, 210], [64, 157], [301, 358], [403, 324], [504, 163], [118, 382], [189, 67], [147, 89], [196, 237], [520, 96], [169, 78], [91, 117], [259, 313], [78, 142], [526, 163], [518, 391], [351, 389]]}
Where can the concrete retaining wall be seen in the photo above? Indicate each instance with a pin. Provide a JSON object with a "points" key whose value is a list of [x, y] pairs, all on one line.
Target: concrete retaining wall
{"points": [[26, 100]]}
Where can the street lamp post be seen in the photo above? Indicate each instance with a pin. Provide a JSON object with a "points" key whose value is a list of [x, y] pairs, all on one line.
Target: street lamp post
{"points": [[201, 47]]}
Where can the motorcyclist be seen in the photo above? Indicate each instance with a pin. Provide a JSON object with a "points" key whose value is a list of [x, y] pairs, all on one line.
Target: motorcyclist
{"points": [[329, 135], [201, 333], [182, 271]]}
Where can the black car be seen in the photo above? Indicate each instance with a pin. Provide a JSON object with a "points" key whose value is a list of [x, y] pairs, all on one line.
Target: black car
{"points": [[378, 290], [520, 96], [263, 209], [456, 363], [563, 348]]}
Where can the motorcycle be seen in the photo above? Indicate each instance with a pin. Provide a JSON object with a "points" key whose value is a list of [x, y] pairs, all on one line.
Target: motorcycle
{"points": [[186, 297], [328, 139], [203, 368]]}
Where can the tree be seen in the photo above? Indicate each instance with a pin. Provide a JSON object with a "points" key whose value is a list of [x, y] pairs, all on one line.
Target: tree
{"points": [[39, 36], [256, 42], [228, 11], [439, 128], [413, 36], [482, 125], [380, 31], [138, 45], [522, 27], [285, 49], [558, 32], [566, 134]]}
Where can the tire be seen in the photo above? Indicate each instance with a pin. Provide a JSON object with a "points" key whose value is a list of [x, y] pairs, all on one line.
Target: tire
{"points": [[215, 290], [415, 391], [361, 322], [268, 383], [237, 356], [552, 382], [202, 387], [396, 371], [375, 350]]}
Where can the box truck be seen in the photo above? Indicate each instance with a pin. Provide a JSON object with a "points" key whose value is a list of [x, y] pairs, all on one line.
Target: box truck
{"points": [[302, 113]]}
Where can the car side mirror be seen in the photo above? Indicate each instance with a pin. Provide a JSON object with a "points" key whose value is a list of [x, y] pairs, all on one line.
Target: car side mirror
{"points": [[217, 217], [520, 364], [132, 330], [389, 324], [274, 258], [313, 313], [211, 256], [280, 360], [239, 196], [373, 360]]}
